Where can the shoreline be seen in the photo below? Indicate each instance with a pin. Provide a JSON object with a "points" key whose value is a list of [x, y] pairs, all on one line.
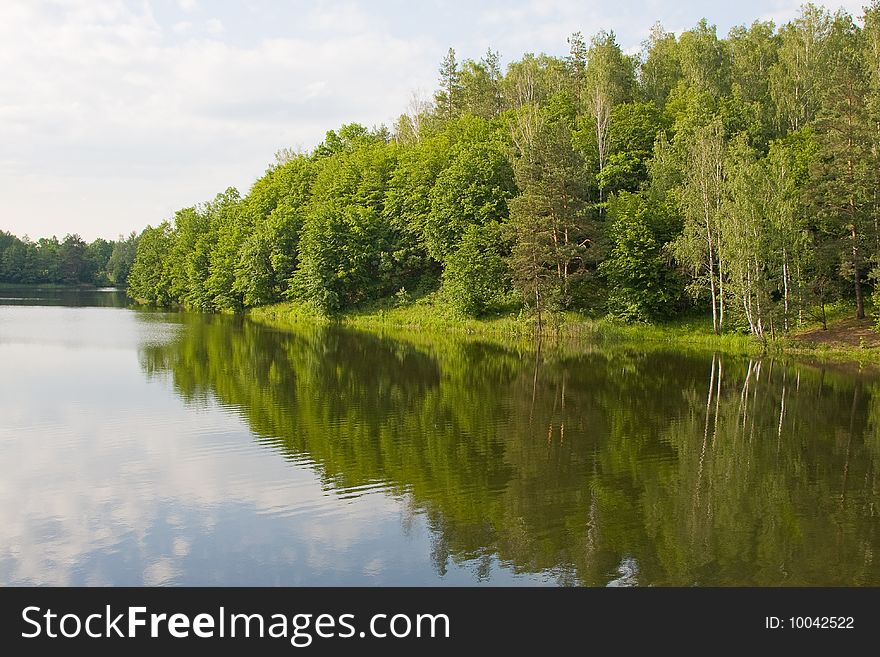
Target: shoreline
{"points": [[58, 286], [518, 328]]}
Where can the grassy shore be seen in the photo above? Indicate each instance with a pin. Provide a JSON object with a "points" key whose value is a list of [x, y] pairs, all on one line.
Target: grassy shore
{"points": [[430, 314], [49, 286], [45, 286]]}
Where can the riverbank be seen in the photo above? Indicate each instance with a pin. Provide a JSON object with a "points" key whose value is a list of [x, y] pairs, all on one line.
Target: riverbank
{"points": [[55, 286], [845, 340]]}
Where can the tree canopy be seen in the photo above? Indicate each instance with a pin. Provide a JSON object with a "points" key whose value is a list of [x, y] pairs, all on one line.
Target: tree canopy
{"points": [[736, 176], [70, 261]]}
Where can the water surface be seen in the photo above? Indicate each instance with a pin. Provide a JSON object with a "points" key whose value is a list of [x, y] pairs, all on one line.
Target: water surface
{"points": [[141, 447]]}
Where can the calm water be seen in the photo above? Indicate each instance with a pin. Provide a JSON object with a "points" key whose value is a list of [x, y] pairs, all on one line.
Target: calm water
{"points": [[139, 447]]}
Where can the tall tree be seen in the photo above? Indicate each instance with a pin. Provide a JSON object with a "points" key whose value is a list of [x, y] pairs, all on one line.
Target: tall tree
{"points": [[72, 259], [753, 52], [609, 82], [480, 85], [231, 225], [702, 195], [121, 259], [187, 266], [269, 254], [783, 174], [150, 279], [525, 93], [705, 63], [547, 220], [845, 170], [660, 69], [871, 57], [796, 79], [448, 96], [746, 250]]}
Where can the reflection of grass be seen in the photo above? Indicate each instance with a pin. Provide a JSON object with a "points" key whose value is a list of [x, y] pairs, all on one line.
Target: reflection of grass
{"points": [[431, 314]]}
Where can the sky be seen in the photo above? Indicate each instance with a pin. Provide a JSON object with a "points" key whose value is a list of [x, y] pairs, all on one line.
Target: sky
{"points": [[114, 114]]}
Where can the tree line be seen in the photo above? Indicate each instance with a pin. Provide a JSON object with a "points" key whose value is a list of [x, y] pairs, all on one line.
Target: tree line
{"points": [[69, 262], [735, 176]]}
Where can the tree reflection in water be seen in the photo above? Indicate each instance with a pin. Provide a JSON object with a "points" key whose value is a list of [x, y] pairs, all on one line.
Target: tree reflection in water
{"points": [[613, 465]]}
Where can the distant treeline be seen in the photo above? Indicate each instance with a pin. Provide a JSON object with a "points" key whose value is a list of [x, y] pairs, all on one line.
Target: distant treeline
{"points": [[69, 262], [738, 175]]}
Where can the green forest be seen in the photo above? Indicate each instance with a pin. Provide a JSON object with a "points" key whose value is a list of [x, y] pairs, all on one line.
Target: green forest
{"points": [[734, 177], [68, 262]]}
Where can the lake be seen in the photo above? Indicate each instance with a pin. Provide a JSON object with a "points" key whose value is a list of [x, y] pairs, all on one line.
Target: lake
{"points": [[154, 448]]}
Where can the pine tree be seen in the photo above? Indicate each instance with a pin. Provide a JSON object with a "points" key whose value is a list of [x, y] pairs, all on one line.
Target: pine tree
{"points": [[448, 97], [843, 175]]}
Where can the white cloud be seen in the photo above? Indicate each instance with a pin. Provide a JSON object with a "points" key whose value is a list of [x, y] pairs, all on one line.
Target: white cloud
{"points": [[149, 487], [146, 111], [214, 26], [102, 101], [346, 17]]}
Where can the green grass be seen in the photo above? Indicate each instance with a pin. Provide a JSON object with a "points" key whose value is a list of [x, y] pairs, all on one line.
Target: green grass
{"points": [[837, 353], [430, 314], [834, 313], [47, 286], [825, 352]]}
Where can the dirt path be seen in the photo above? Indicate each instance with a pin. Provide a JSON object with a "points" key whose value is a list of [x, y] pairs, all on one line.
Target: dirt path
{"points": [[848, 333]]}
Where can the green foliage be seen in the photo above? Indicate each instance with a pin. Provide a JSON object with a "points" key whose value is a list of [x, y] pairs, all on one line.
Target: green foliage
{"points": [[642, 285], [842, 191], [660, 70], [632, 131], [275, 208], [230, 225], [472, 190], [345, 258], [448, 96], [348, 138], [743, 169], [121, 259], [552, 239], [753, 52], [408, 197], [70, 262], [802, 59], [480, 86], [476, 278], [150, 279], [705, 63]]}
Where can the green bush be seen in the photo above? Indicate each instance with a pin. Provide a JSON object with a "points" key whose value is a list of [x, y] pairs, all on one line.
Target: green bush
{"points": [[476, 277]]}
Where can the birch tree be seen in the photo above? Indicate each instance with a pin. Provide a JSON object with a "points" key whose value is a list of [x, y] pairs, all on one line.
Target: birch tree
{"points": [[702, 194], [609, 81], [745, 248], [796, 78]]}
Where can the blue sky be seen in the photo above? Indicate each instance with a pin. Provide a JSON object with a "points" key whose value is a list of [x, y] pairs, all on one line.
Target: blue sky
{"points": [[113, 114]]}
